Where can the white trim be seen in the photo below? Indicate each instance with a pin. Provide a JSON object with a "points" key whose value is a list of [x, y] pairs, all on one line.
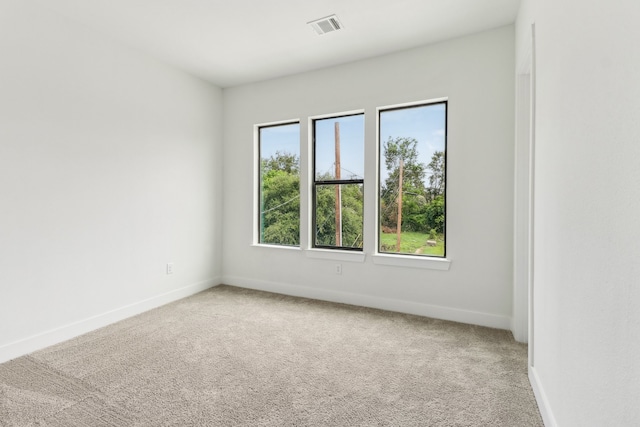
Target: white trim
{"points": [[399, 260], [334, 115], [532, 181], [409, 307], [256, 172], [276, 123], [413, 261], [541, 398], [412, 104], [309, 184], [524, 67], [256, 185], [311, 168], [376, 188], [285, 247], [521, 209], [66, 332], [336, 255]]}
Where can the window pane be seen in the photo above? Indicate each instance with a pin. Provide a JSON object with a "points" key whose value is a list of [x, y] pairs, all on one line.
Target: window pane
{"points": [[412, 180], [279, 219], [347, 221], [347, 134]]}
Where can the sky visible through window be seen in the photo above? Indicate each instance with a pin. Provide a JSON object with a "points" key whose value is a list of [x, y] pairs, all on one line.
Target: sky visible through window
{"points": [[412, 180], [351, 147], [411, 204], [425, 124], [285, 139], [279, 217]]}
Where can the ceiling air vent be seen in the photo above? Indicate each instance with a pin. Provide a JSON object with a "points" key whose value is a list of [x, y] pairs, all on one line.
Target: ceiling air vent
{"points": [[326, 25]]}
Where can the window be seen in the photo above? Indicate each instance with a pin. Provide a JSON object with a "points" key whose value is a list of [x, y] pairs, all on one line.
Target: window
{"points": [[412, 144], [279, 184], [338, 183]]}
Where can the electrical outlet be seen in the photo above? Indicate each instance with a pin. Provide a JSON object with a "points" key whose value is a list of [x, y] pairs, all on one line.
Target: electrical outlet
{"points": [[170, 268], [338, 269]]}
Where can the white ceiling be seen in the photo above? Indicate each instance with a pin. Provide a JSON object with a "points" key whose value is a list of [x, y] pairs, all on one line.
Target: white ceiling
{"points": [[231, 42]]}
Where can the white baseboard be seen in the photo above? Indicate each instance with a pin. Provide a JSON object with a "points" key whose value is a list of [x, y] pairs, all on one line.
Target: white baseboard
{"points": [[520, 329], [541, 397], [409, 307], [63, 333]]}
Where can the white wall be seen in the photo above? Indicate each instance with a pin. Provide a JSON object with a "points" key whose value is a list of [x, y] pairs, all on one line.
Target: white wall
{"points": [[476, 74], [586, 338], [110, 167]]}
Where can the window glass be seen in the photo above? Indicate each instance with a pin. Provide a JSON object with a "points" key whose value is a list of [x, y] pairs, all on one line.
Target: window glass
{"points": [[413, 179], [279, 191], [338, 152], [349, 131], [347, 200]]}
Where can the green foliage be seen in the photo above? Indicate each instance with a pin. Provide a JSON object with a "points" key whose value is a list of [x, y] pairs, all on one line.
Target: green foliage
{"points": [[285, 162], [280, 206], [423, 210], [435, 214], [280, 200], [413, 217], [436, 179], [422, 206], [412, 242], [352, 215], [414, 172]]}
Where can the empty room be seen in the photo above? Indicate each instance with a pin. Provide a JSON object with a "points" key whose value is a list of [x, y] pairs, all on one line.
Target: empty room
{"points": [[319, 213]]}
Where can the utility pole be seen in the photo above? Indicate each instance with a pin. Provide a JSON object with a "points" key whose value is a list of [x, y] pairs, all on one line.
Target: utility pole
{"points": [[338, 188], [399, 225]]}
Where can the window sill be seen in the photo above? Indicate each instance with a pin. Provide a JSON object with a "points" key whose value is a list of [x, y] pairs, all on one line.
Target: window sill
{"points": [[336, 255], [412, 261], [286, 248]]}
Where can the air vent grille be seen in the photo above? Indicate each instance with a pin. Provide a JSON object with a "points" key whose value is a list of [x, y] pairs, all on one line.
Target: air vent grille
{"points": [[326, 25]]}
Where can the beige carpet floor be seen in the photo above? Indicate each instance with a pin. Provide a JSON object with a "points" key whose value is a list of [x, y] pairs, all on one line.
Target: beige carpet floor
{"points": [[236, 357]]}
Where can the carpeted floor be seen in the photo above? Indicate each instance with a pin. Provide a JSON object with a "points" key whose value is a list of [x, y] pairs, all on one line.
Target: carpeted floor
{"points": [[230, 357]]}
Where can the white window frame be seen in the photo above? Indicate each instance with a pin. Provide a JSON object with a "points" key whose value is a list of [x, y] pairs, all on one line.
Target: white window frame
{"points": [[406, 260], [336, 254], [256, 186]]}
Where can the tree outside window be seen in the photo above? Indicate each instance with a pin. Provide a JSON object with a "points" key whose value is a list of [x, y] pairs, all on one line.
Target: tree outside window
{"points": [[413, 180], [279, 190]]}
